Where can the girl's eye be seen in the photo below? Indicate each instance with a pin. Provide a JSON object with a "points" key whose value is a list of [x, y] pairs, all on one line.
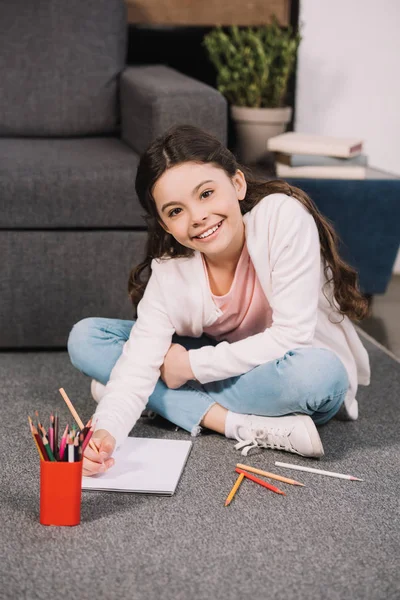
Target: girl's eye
{"points": [[173, 213]]}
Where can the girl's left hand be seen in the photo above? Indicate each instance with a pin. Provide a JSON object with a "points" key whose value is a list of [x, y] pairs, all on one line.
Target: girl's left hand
{"points": [[176, 369]]}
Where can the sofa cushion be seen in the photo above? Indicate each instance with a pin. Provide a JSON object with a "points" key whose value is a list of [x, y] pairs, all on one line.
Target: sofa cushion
{"points": [[59, 66], [52, 279], [78, 182]]}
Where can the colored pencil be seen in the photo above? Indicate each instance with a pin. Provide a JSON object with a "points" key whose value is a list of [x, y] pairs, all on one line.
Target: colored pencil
{"points": [[39, 425], [35, 439], [39, 440], [319, 471], [261, 482], [51, 433], [76, 416], [48, 449], [270, 475], [84, 432], [234, 489], [56, 449], [71, 452], [63, 443], [41, 430], [80, 451], [87, 439]]}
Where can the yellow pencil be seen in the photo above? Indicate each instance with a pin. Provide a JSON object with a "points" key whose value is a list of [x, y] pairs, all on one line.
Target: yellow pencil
{"points": [[35, 440], [234, 489], [270, 475], [76, 416]]}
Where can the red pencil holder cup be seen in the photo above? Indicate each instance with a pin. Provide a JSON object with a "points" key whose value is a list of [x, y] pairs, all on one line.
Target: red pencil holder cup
{"points": [[60, 492]]}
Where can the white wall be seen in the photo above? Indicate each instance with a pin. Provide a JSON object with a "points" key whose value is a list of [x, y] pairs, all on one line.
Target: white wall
{"points": [[348, 77]]}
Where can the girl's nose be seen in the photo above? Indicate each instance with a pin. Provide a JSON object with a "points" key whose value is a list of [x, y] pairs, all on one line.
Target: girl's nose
{"points": [[199, 219]]}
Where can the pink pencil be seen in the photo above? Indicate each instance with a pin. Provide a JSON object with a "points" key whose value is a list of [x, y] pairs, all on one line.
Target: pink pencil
{"points": [[51, 438], [87, 439], [63, 443]]}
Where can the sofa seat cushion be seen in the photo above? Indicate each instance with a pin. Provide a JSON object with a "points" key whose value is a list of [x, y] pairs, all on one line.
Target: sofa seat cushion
{"points": [[68, 182], [52, 279]]}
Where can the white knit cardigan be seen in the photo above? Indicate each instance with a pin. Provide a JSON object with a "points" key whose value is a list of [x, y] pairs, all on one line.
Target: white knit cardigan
{"points": [[283, 244]]}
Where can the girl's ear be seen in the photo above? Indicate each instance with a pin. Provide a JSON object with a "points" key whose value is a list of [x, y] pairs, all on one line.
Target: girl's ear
{"points": [[240, 184]]}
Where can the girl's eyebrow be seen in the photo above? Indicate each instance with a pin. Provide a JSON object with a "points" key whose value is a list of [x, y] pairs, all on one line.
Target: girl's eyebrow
{"points": [[193, 193]]}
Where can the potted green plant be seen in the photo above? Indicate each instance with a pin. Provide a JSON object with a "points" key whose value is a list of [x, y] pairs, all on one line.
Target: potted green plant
{"points": [[253, 68]]}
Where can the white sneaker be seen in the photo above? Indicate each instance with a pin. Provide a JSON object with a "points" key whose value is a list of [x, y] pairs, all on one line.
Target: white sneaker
{"points": [[293, 433], [97, 390]]}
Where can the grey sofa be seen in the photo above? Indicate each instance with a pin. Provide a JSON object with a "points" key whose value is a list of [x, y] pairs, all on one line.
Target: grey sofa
{"points": [[74, 120]]}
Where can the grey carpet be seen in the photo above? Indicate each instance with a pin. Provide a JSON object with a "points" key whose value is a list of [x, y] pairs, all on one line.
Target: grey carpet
{"points": [[332, 539]]}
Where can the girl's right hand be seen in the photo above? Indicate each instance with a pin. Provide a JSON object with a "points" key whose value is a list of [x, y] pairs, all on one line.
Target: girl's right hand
{"points": [[100, 462]]}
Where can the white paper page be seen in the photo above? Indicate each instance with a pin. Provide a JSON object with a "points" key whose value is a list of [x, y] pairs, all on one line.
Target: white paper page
{"points": [[144, 465]]}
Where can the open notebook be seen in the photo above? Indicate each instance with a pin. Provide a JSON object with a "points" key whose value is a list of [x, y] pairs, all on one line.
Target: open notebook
{"points": [[143, 465]]}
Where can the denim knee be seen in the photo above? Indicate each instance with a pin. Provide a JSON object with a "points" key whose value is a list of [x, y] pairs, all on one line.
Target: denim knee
{"points": [[78, 340], [320, 371]]}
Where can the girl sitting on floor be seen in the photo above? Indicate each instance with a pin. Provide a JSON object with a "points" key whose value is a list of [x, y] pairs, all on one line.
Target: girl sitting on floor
{"points": [[243, 316]]}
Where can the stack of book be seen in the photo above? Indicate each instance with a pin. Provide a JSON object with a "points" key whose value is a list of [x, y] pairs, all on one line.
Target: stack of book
{"points": [[318, 156]]}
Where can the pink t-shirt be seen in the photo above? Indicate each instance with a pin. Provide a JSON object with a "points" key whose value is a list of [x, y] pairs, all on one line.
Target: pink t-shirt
{"points": [[245, 307]]}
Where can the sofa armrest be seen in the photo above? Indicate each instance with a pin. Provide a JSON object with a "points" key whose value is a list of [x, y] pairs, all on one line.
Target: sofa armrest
{"points": [[155, 97]]}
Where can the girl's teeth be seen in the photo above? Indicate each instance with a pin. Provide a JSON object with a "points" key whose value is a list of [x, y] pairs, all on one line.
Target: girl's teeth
{"points": [[209, 232]]}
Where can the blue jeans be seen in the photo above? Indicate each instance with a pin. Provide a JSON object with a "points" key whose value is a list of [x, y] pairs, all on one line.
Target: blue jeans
{"points": [[311, 381]]}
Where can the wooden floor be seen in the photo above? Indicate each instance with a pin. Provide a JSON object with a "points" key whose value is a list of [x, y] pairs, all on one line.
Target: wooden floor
{"points": [[384, 323]]}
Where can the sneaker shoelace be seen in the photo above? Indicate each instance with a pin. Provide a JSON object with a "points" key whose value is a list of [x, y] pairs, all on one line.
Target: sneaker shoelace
{"points": [[277, 437]]}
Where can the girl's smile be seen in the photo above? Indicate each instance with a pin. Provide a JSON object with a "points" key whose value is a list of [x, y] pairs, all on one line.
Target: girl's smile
{"points": [[209, 234]]}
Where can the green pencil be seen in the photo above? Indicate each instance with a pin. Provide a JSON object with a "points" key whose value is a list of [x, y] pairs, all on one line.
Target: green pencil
{"points": [[48, 449]]}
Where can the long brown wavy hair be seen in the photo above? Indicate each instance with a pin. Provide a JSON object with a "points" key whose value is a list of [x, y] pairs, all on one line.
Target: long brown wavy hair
{"points": [[183, 143]]}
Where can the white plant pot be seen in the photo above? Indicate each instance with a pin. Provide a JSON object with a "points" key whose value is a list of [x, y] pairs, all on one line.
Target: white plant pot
{"points": [[254, 126]]}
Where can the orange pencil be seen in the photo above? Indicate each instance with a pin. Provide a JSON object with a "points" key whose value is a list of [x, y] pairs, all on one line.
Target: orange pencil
{"points": [[261, 482], [38, 420], [35, 438], [234, 489], [39, 440], [270, 475], [76, 416]]}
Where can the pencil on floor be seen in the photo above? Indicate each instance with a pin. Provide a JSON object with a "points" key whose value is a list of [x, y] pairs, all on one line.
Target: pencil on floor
{"points": [[234, 489], [76, 416], [319, 471], [261, 482], [270, 475]]}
